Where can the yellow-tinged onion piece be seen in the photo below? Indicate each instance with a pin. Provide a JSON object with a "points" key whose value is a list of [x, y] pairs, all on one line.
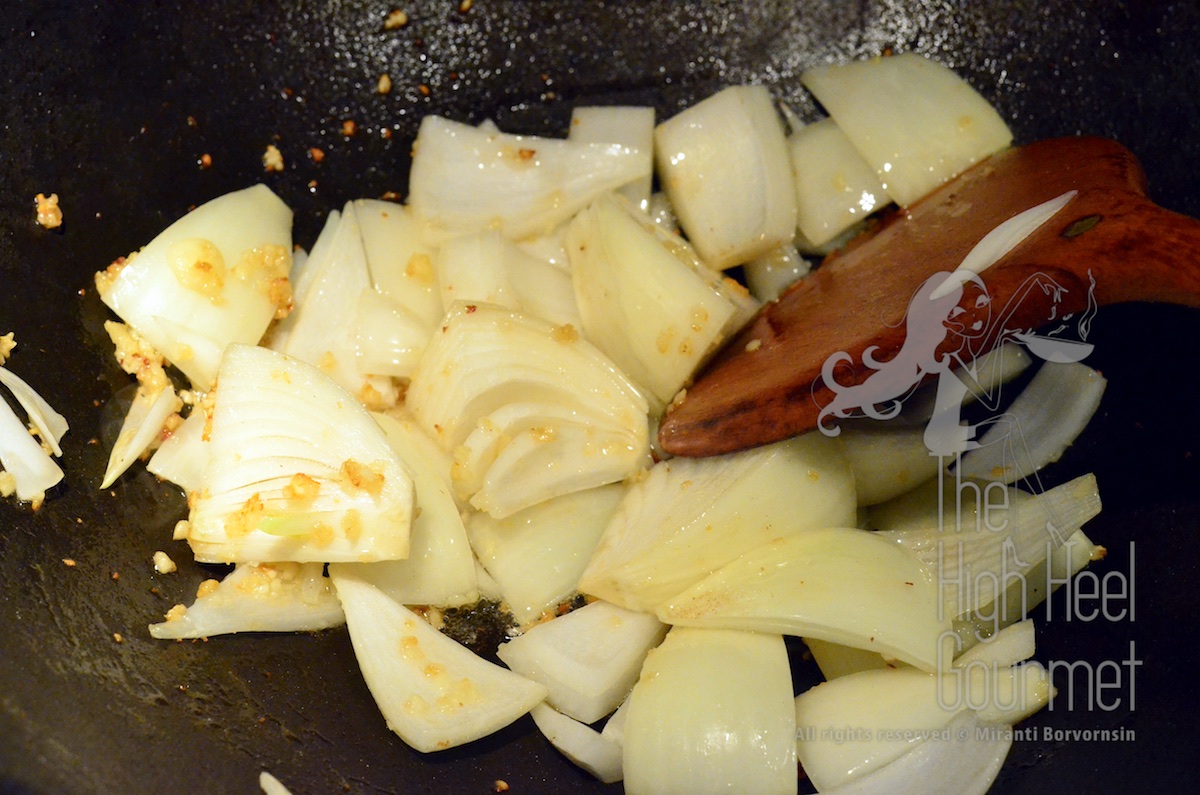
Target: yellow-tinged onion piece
{"points": [[842, 585], [915, 121], [529, 410], [689, 517], [216, 276], [433, 692], [712, 713], [297, 470]]}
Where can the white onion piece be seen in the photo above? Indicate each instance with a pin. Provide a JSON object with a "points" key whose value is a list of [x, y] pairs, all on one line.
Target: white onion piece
{"points": [[32, 468], [464, 179], [902, 701], [689, 517], [485, 358], [147, 416], [1039, 426], [662, 213], [847, 586], [588, 659], [536, 555], [183, 456], [219, 273], [724, 164], [321, 329], [614, 727], [712, 713], [401, 266], [258, 597], [49, 423], [471, 268], [1026, 593], [888, 460], [271, 785], [915, 121], [298, 470], [439, 569], [1009, 646], [580, 743], [543, 289], [963, 759], [627, 125], [836, 659], [388, 338], [999, 694], [973, 558], [769, 275], [997, 243], [434, 693], [835, 187], [548, 247], [655, 315]]}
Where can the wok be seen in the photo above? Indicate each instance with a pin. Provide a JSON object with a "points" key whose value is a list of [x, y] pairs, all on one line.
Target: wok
{"points": [[112, 105]]}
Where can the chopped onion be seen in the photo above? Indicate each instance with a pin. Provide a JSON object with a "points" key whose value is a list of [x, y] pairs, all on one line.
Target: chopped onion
{"points": [[536, 555], [471, 268], [183, 456], [32, 468], [836, 659], [321, 330], [388, 338], [614, 727], [588, 659], [465, 178], [1009, 646], [439, 569], [592, 431], [711, 713], [271, 785], [400, 265], [769, 275], [627, 125], [973, 554], [1041, 424], [433, 693], [962, 759], [842, 585], [915, 121], [655, 315], [258, 597], [298, 470], [898, 706], [214, 277], [835, 187], [147, 416], [581, 744], [689, 517], [724, 164], [887, 460], [50, 425]]}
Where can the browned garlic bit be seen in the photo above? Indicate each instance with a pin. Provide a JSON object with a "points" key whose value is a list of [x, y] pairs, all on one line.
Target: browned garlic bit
{"points": [[272, 158], [49, 214]]}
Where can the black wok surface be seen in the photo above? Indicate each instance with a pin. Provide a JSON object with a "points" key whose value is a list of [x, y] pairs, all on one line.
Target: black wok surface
{"points": [[111, 105]]}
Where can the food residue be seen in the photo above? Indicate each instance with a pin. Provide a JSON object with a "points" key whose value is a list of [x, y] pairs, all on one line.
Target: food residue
{"points": [[49, 214], [272, 158], [395, 20]]}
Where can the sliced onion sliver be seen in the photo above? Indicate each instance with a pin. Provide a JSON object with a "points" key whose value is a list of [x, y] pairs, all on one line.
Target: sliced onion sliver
{"points": [[50, 424], [1041, 424], [580, 743], [434, 693], [963, 759], [272, 597], [148, 415], [23, 458]]}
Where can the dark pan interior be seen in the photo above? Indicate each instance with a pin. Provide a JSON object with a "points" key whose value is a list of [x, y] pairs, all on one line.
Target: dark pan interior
{"points": [[111, 105]]}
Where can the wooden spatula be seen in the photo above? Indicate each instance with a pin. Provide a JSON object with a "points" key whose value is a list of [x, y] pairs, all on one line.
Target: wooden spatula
{"points": [[766, 384]]}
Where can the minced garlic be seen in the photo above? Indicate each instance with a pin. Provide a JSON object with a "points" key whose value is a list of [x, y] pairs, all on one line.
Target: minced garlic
{"points": [[49, 214], [272, 158]]}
